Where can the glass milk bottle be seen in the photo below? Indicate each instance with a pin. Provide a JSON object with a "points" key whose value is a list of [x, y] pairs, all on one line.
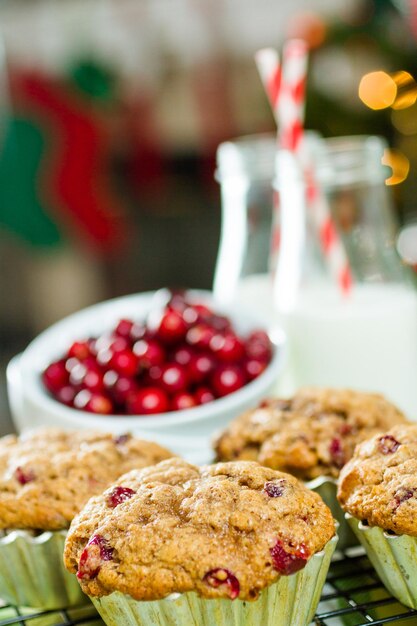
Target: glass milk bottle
{"points": [[245, 172], [364, 338]]}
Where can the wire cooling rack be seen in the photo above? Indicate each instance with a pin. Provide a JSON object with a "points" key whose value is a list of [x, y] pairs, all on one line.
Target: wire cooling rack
{"points": [[29, 617], [353, 596]]}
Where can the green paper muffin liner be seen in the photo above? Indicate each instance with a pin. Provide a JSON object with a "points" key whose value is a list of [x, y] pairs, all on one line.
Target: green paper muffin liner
{"points": [[394, 558], [291, 601], [32, 571], [326, 487]]}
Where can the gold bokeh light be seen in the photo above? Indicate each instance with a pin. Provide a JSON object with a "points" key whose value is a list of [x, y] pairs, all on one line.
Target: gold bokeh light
{"points": [[406, 90], [399, 165], [377, 90]]}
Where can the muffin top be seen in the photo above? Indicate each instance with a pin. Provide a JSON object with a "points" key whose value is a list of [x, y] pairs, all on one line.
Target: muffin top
{"points": [[312, 434], [47, 475], [379, 484], [225, 530]]}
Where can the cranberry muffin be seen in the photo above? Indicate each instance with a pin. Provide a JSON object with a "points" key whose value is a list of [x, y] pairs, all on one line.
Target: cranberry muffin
{"points": [[378, 491], [379, 484], [225, 531], [312, 434], [46, 477]]}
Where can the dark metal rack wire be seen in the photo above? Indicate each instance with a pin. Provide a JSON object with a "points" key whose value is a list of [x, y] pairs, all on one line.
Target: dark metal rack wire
{"points": [[353, 596]]}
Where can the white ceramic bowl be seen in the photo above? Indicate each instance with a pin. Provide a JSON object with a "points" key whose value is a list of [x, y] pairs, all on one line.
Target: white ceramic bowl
{"points": [[186, 432]]}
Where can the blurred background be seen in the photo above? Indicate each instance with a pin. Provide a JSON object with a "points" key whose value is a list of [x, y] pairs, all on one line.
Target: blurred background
{"points": [[111, 113]]}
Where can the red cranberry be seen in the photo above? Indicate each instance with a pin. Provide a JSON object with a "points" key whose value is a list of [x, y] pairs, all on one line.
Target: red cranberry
{"points": [[110, 378], [172, 328], [147, 401], [264, 404], [119, 344], [77, 375], [337, 453], [107, 347], [153, 375], [196, 313], [79, 350], [190, 316], [106, 551], [121, 440], [200, 336], [258, 346], [388, 444], [200, 367], [219, 576], [345, 429], [203, 311], [183, 355], [287, 563], [203, 395], [173, 378], [89, 565], [93, 381], [228, 348], [124, 362], [119, 495], [124, 328], [81, 399], [138, 331], [254, 368], [149, 353], [219, 323], [100, 404], [24, 476], [275, 489], [103, 343], [93, 402], [103, 357], [97, 550], [182, 401], [92, 346], [226, 379], [91, 363], [120, 387], [402, 495], [261, 336], [66, 395], [55, 376], [71, 363], [177, 300]]}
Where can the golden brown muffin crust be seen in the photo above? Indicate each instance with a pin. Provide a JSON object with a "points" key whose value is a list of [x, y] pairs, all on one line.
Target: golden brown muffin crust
{"points": [[47, 475], [226, 530], [312, 434], [379, 484]]}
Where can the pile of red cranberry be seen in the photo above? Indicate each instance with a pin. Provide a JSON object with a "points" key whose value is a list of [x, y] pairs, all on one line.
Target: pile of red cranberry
{"points": [[182, 356]]}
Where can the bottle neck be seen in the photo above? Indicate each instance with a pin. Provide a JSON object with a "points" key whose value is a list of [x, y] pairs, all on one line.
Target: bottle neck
{"points": [[350, 183], [347, 162]]}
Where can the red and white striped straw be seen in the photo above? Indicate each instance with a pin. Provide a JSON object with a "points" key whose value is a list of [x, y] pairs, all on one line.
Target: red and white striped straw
{"points": [[330, 241], [291, 101], [285, 88], [269, 67], [291, 107]]}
